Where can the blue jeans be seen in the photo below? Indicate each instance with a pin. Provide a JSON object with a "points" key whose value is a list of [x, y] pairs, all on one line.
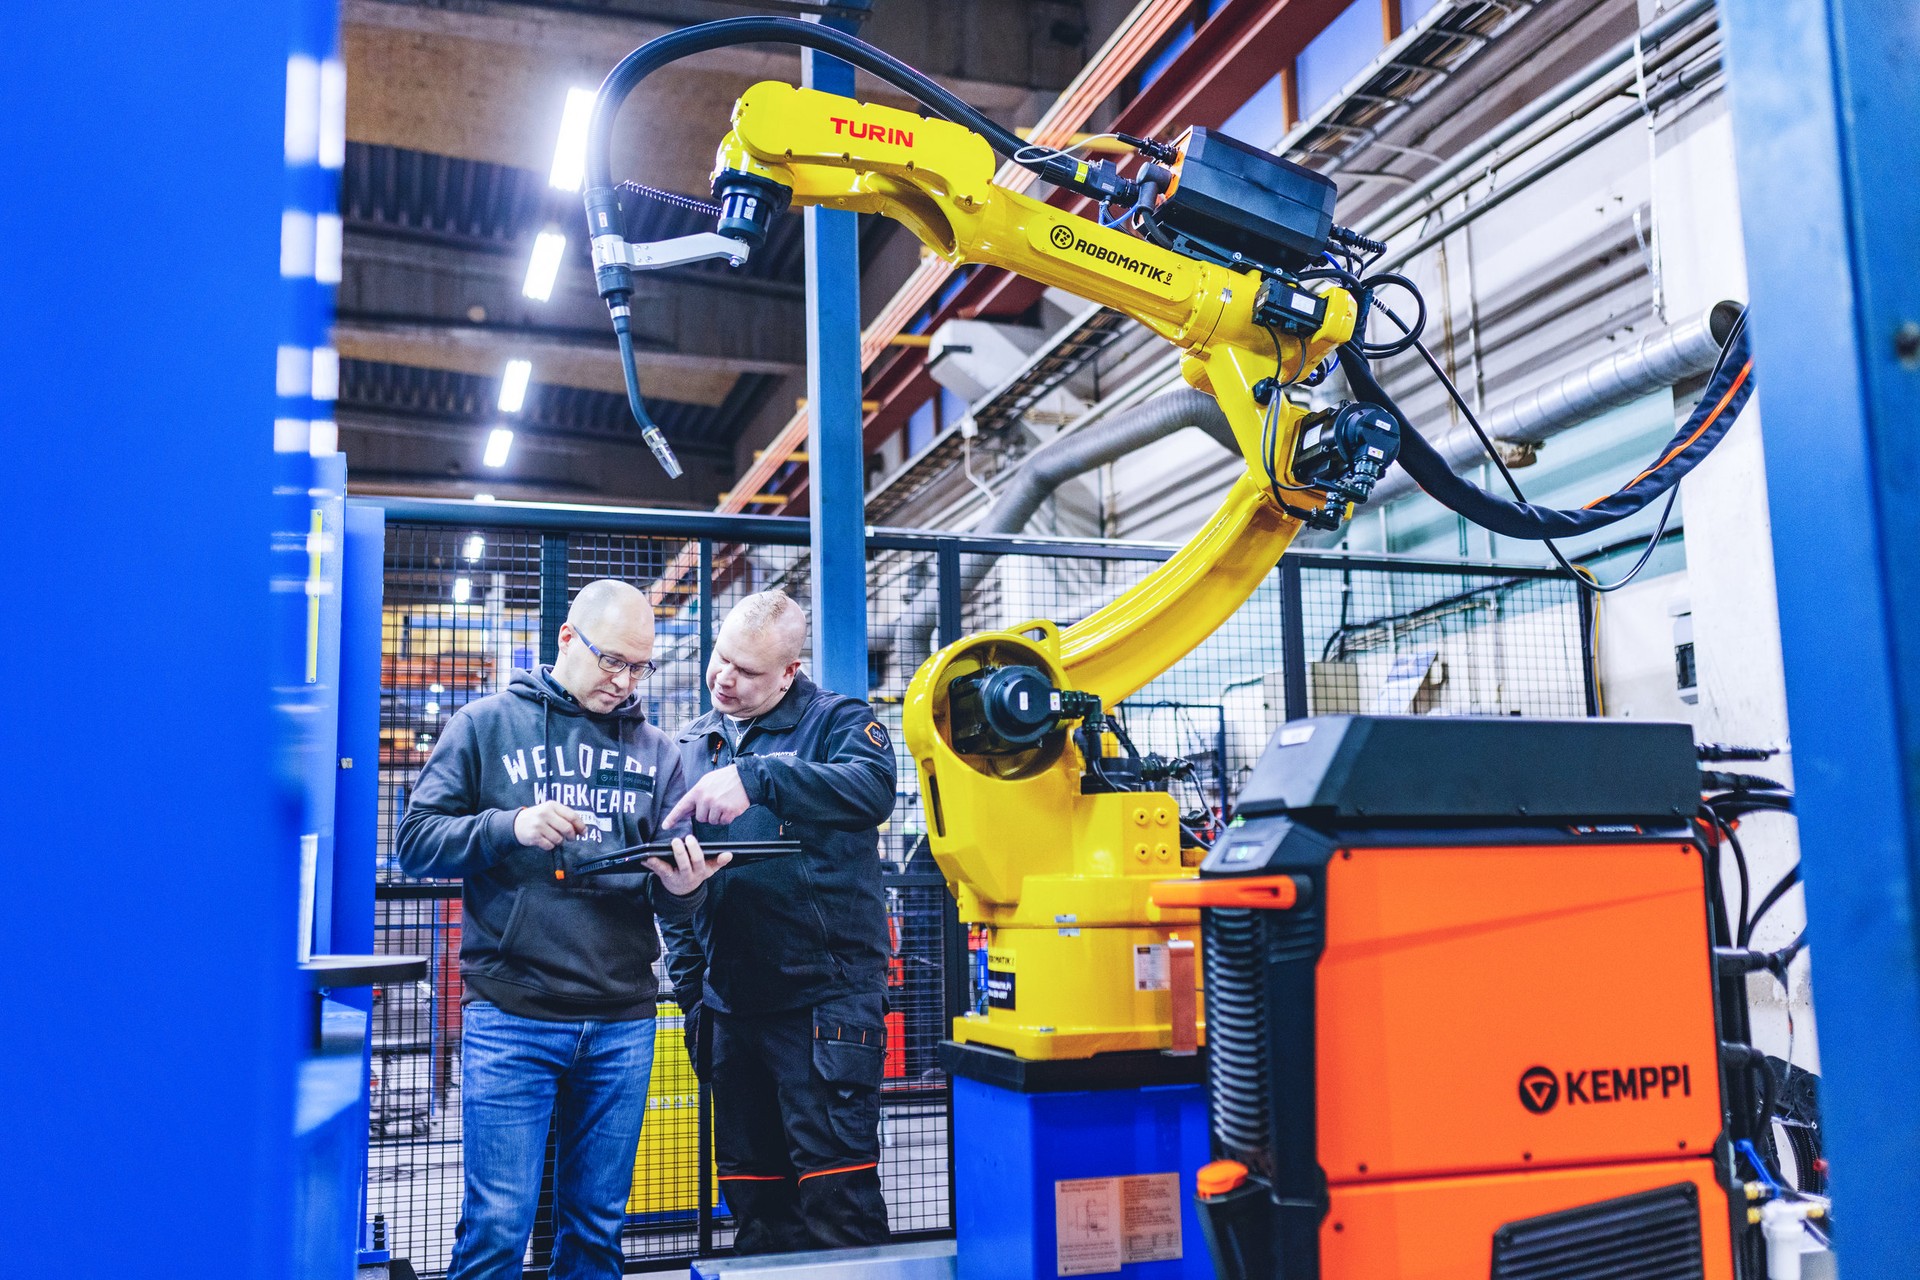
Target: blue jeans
{"points": [[513, 1072]]}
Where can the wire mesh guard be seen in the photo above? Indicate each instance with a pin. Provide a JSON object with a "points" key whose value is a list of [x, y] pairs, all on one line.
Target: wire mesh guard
{"points": [[464, 607]]}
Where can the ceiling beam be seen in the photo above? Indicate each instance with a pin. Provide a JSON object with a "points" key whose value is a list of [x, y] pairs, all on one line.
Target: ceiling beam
{"points": [[393, 455], [488, 81], [443, 307]]}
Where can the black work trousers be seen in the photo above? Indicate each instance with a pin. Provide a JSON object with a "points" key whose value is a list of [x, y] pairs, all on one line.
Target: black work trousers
{"points": [[796, 1102]]}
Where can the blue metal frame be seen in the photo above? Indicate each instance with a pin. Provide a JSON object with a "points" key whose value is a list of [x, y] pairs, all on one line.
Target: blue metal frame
{"points": [[1826, 109], [835, 431], [151, 1006]]}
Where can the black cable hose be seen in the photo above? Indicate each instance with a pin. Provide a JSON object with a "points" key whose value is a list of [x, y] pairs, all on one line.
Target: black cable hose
{"points": [[1726, 393], [687, 41], [1773, 895], [1732, 841]]}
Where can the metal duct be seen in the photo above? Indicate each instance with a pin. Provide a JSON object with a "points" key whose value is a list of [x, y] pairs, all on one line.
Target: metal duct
{"points": [[1658, 360], [1036, 478]]}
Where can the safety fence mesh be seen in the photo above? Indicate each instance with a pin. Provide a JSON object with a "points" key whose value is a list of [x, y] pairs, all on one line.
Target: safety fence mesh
{"points": [[472, 596]]}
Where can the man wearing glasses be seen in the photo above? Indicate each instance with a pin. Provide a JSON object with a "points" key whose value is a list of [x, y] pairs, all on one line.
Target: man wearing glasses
{"points": [[560, 992]]}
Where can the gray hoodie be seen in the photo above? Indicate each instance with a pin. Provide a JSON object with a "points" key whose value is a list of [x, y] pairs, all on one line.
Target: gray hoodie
{"points": [[534, 944]]}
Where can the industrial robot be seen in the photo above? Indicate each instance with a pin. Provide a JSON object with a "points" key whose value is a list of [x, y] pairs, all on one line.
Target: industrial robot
{"points": [[1430, 1052]]}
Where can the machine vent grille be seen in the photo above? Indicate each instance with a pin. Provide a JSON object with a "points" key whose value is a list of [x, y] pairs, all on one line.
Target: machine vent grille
{"points": [[1651, 1235], [1238, 1078]]}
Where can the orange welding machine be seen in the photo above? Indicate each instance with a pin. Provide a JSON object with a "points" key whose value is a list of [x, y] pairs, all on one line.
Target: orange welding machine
{"points": [[1461, 1009]]}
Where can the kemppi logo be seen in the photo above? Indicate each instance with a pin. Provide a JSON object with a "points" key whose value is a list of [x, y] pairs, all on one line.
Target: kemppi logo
{"points": [[1542, 1089], [871, 132], [1061, 236], [1539, 1090]]}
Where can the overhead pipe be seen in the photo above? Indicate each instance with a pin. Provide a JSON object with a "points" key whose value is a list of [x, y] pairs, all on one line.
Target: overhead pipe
{"points": [[1409, 205], [1038, 476], [1658, 360]]}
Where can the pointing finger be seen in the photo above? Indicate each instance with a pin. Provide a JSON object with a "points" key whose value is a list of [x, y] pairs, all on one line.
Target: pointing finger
{"points": [[678, 811]]}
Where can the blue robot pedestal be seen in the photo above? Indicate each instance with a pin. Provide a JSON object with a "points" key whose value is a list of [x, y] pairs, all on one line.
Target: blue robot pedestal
{"points": [[1102, 1152]]}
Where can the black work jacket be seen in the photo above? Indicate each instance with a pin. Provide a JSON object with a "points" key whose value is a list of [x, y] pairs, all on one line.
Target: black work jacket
{"points": [[787, 933]]}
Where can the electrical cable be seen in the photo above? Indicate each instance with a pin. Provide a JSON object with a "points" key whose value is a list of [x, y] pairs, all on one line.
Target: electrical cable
{"points": [[1773, 895], [706, 36], [602, 201], [1578, 572], [1740, 933], [1745, 1147], [1727, 392], [1034, 150]]}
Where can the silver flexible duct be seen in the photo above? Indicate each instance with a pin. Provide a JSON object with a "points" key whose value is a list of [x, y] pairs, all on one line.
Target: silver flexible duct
{"points": [[1658, 360], [1036, 478]]}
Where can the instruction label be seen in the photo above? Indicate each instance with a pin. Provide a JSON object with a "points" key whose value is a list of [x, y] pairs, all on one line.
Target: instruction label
{"points": [[1150, 967], [1103, 1224]]}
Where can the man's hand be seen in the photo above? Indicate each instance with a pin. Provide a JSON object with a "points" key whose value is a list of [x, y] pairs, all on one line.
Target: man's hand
{"points": [[716, 799], [690, 866], [548, 825]]}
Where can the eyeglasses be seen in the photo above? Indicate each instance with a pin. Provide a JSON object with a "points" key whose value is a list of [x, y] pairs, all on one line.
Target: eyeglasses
{"points": [[614, 666]]}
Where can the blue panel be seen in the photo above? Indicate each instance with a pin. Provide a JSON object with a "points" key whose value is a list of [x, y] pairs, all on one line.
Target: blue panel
{"points": [[151, 1010], [1337, 54], [1261, 119], [837, 497], [920, 429], [326, 502], [1411, 11], [356, 821], [1826, 108], [1010, 1148]]}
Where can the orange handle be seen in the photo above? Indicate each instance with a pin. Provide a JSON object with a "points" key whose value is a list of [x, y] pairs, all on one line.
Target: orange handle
{"points": [[1275, 893]]}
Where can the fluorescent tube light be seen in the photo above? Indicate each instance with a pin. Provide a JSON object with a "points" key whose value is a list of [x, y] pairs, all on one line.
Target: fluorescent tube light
{"points": [[462, 590], [570, 152], [549, 247], [499, 442], [513, 385], [476, 546]]}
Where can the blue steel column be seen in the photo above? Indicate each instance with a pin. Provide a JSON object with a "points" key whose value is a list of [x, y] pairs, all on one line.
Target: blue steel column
{"points": [[147, 931], [837, 501], [1826, 109]]}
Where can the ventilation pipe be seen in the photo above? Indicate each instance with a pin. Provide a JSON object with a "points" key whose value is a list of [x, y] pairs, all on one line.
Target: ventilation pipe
{"points": [[1658, 360], [1036, 478]]}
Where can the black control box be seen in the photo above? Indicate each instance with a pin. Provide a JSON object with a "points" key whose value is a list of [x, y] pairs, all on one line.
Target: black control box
{"points": [[1248, 201]]}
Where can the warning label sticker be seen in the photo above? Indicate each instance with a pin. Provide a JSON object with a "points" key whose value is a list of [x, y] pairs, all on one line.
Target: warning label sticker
{"points": [[1150, 967], [1103, 1224], [1086, 1217]]}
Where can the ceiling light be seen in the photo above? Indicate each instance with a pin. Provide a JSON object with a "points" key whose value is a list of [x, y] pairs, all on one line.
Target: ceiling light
{"points": [[436, 688], [433, 708], [513, 385], [499, 441], [462, 590], [476, 546], [570, 153], [542, 269], [483, 497]]}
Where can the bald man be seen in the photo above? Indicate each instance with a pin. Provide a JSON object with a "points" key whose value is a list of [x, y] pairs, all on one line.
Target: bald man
{"points": [[560, 992], [784, 966]]}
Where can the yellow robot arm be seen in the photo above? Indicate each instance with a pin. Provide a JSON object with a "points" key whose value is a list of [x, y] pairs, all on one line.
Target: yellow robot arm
{"points": [[1058, 872], [935, 177]]}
